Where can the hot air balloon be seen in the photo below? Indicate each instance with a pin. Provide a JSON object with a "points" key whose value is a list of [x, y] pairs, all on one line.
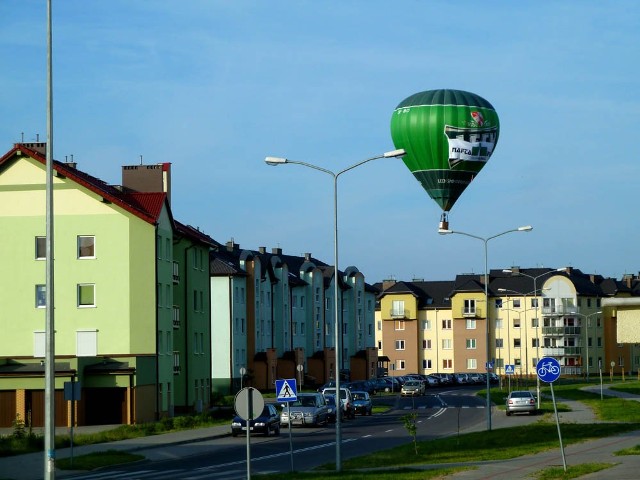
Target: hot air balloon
{"points": [[448, 135]]}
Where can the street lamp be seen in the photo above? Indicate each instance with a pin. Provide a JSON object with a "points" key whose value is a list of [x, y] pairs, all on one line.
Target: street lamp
{"points": [[535, 294], [274, 161], [586, 335], [526, 228]]}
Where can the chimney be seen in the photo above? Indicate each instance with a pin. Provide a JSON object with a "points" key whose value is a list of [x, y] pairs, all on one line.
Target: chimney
{"points": [[276, 251], [262, 250], [40, 147], [388, 283], [148, 178], [307, 257], [232, 246], [515, 270]]}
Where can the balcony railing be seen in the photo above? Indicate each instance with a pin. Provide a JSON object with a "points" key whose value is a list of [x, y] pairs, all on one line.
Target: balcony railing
{"points": [[399, 313], [561, 331], [560, 310], [176, 272], [473, 312], [561, 351]]}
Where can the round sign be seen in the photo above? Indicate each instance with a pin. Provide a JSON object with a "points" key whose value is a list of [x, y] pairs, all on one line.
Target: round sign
{"points": [[548, 369], [243, 370], [249, 403], [613, 364], [300, 367]]}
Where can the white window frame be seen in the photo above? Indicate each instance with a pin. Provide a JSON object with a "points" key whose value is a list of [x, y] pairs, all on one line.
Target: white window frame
{"points": [[81, 285], [472, 364], [80, 247], [471, 343], [447, 344], [471, 323], [41, 296], [41, 255], [400, 344]]}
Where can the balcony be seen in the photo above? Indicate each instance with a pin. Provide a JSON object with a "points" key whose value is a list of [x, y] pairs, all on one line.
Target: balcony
{"points": [[560, 310], [399, 313], [472, 312], [561, 331], [561, 351]]}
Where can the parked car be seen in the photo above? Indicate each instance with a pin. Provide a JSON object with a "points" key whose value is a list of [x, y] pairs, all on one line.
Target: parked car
{"points": [[267, 423], [521, 401], [331, 408], [412, 387], [381, 385], [445, 378], [431, 381], [361, 385], [346, 400], [308, 409], [329, 384], [362, 402]]}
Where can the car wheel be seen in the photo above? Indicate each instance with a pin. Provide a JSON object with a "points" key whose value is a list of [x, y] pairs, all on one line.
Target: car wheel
{"points": [[508, 413], [277, 430], [370, 412], [234, 434], [267, 431]]}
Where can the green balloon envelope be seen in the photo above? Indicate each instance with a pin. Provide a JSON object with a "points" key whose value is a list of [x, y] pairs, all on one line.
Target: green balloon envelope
{"points": [[449, 135]]}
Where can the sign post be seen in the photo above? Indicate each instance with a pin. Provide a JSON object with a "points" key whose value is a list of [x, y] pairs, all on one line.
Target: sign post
{"points": [[287, 391], [548, 370], [249, 405], [72, 393]]}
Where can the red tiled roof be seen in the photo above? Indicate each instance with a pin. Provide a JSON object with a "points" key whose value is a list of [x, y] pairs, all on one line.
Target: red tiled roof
{"points": [[147, 209]]}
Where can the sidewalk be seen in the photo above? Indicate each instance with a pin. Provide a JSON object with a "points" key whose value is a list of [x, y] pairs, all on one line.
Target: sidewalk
{"points": [[156, 447]]}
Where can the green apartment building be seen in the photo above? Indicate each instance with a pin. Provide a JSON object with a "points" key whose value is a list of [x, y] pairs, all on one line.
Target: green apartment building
{"points": [[114, 300]]}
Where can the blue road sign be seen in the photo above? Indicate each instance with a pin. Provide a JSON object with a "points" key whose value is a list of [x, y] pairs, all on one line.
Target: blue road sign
{"points": [[286, 390], [548, 369], [489, 365], [509, 369]]}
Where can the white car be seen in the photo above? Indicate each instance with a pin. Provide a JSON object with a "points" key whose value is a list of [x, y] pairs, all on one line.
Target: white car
{"points": [[346, 401], [412, 387]]}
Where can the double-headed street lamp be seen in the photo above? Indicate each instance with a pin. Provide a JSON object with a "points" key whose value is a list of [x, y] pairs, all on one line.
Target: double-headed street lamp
{"points": [[486, 240], [535, 294], [337, 330]]}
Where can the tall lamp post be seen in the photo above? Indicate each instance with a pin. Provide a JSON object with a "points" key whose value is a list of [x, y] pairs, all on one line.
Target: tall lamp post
{"points": [[274, 161], [486, 240], [586, 335], [535, 294]]}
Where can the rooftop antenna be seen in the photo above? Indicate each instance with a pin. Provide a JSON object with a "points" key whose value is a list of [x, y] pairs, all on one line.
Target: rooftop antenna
{"points": [[21, 137], [140, 159]]}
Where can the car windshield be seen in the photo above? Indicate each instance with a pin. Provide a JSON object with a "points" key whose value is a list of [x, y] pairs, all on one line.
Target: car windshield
{"points": [[358, 396], [520, 394]]}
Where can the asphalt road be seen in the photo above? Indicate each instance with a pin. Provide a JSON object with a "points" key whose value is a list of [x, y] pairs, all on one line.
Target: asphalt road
{"points": [[440, 413]]}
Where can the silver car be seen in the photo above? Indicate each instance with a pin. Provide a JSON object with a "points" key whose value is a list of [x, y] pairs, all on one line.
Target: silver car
{"points": [[412, 387], [521, 401], [309, 409]]}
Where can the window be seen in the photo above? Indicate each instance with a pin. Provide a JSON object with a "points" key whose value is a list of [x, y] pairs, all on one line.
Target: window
{"points": [[87, 343], [426, 325], [399, 324], [499, 342], [426, 344], [397, 308], [472, 363], [516, 323], [379, 344], [498, 323], [535, 323], [86, 295], [426, 364], [516, 343], [399, 344], [471, 343], [446, 344], [41, 248], [86, 246], [41, 296], [379, 325], [471, 324], [446, 324], [516, 303], [447, 364], [536, 342], [534, 303], [399, 364], [470, 306], [498, 303]]}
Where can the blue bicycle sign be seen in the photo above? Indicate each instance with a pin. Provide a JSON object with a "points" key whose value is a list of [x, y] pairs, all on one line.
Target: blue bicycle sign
{"points": [[548, 369]]}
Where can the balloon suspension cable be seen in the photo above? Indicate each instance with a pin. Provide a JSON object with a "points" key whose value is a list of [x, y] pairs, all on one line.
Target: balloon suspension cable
{"points": [[444, 221]]}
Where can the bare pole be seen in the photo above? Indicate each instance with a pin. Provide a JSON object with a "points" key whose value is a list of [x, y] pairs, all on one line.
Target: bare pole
{"points": [[50, 369]]}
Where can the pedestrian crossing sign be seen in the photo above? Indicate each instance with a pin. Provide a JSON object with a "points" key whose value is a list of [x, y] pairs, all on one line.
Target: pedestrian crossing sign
{"points": [[286, 390], [509, 369]]}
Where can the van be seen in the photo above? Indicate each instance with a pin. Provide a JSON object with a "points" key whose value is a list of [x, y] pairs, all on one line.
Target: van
{"points": [[345, 400]]}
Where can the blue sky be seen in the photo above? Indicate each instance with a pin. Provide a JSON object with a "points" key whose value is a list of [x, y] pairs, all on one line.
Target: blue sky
{"points": [[215, 86]]}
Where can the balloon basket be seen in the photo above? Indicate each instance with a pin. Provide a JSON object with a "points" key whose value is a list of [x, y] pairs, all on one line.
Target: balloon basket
{"points": [[444, 222]]}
